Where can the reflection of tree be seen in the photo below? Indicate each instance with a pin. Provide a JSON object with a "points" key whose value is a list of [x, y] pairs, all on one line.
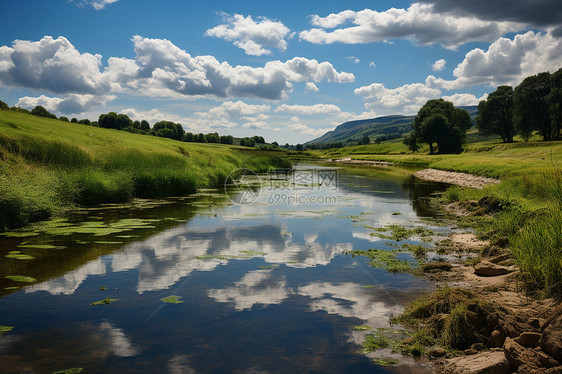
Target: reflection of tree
{"points": [[420, 193]]}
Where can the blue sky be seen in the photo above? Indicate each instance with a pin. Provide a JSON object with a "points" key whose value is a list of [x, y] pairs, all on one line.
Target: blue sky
{"points": [[286, 70]]}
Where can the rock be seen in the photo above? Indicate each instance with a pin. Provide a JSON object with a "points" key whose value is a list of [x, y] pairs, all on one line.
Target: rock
{"points": [[478, 346], [482, 363], [470, 351], [518, 355], [489, 269], [529, 339], [499, 258], [556, 370], [497, 338], [551, 341], [475, 319], [492, 321], [438, 352]]}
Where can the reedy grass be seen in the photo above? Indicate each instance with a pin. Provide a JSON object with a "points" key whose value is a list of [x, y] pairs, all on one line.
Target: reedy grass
{"points": [[49, 166]]}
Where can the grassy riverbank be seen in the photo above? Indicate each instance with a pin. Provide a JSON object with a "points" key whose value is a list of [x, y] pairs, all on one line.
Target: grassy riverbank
{"points": [[525, 215], [48, 166]]}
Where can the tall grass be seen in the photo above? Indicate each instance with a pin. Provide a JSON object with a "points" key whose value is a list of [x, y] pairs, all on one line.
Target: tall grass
{"points": [[49, 166]]}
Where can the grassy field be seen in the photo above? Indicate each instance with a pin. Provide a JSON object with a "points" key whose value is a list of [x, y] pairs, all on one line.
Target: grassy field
{"points": [[49, 166], [528, 220]]}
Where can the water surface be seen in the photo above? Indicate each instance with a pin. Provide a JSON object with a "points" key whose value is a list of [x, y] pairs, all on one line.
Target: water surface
{"points": [[267, 286]]}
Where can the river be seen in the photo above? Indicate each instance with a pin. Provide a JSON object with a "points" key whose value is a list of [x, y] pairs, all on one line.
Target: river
{"points": [[263, 279]]}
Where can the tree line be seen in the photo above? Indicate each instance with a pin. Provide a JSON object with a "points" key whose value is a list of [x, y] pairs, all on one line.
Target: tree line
{"points": [[534, 105], [163, 129]]}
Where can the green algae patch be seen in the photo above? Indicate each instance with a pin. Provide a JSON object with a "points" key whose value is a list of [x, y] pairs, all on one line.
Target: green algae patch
{"points": [[374, 342], [173, 299], [69, 371], [19, 256], [362, 328], [105, 301], [387, 260], [21, 278], [42, 246], [385, 361], [18, 234], [253, 253], [269, 267], [5, 329], [399, 232], [107, 242], [11, 288]]}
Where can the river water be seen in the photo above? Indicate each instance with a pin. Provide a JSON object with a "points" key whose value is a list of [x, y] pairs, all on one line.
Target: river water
{"points": [[266, 283]]}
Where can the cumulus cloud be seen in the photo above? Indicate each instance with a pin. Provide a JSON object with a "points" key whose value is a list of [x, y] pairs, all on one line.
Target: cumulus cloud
{"points": [[405, 99], [507, 61], [372, 65], [155, 115], [439, 65], [255, 38], [308, 109], [310, 87], [540, 13], [160, 69], [464, 99], [96, 4], [353, 59], [232, 114], [295, 125], [71, 104], [419, 23]]}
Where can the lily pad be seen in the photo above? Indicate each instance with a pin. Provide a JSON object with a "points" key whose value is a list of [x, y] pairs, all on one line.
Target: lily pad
{"points": [[17, 234], [19, 256], [173, 299], [42, 246], [268, 267], [21, 278], [253, 253], [105, 301], [106, 242], [11, 288], [5, 329], [362, 328]]}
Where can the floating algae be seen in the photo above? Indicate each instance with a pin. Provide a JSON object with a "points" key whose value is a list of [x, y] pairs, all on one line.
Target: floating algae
{"points": [[21, 278], [42, 246], [19, 256], [386, 259], [172, 299], [5, 329], [362, 328], [69, 371], [253, 253], [105, 301]]}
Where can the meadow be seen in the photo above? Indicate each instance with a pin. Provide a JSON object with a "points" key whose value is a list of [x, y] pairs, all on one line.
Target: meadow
{"points": [[49, 167], [526, 219]]}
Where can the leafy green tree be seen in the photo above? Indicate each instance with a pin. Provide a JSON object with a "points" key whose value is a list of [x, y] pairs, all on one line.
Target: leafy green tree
{"points": [[84, 122], [227, 139], [74, 120], [411, 141], [63, 118], [108, 121], [40, 111], [3, 105], [300, 147], [555, 100], [438, 121], [137, 125], [145, 126], [532, 106], [275, 144], [187, 137], [495, 114], [201, 138]]}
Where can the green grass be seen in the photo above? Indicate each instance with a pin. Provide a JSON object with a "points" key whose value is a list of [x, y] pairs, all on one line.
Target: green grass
{"points": [[48, 167]]}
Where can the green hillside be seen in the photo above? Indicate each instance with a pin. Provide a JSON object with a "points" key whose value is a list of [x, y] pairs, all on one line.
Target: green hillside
{"points": [[49, 166], [389, 127]]}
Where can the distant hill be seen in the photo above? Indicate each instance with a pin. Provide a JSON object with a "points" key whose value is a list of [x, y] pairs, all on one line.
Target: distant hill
{"points": [[382, 128]]}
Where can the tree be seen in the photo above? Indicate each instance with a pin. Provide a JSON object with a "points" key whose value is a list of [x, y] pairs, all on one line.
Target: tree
{"points": [[187, 137], [3, 105], [137, 125], [84, 122], [74, 120], [411, 142], [555, 101], [495, 114], [300, 147], [145, 126], [226, 139], [108, 121], [438, 121], [64, 119], [532, 106], [40, 111], [365, 140], [168, 129], [275, 144]]}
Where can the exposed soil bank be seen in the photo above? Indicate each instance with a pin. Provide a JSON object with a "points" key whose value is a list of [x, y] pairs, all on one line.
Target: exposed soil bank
{"points": [[460, 179]]}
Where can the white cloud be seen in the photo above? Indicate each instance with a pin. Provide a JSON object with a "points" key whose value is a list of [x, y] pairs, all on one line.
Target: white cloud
{"points": [[155, 115], [310, 87], [464, 99], [405, 99], [419, 23], [70, 104], [160, 69], [353, 59], [507, 61], [232, 114], [96, 4], [256, 125], [295, 125], [372, 65], [439, 65], [253, 37], [309, 109]]}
